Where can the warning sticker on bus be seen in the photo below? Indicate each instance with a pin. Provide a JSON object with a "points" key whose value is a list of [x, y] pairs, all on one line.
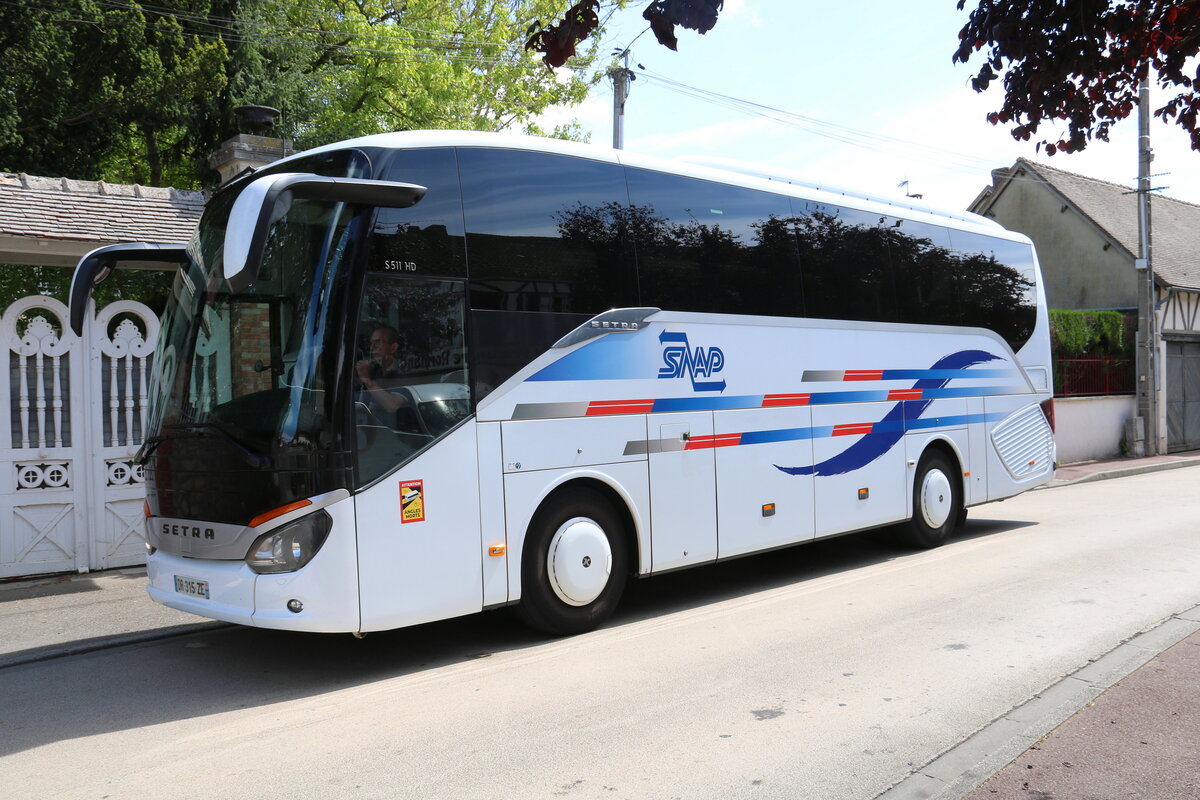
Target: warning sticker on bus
{"points": [[412, 501]]}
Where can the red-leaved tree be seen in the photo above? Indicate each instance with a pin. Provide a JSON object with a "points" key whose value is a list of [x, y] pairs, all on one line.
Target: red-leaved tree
{"points": [[556, 42], [1081, 61]]}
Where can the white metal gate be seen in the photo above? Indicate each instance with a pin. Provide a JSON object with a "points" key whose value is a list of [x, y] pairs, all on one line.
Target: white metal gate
{"points": [[72, 412]]}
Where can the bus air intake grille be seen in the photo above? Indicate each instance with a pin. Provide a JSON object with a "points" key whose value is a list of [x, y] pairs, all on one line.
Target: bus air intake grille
{"points": [[1025, 442]]}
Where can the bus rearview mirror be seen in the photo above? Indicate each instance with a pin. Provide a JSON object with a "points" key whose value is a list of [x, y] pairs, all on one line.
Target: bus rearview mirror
{"points": [[265, 200], [98, 264]]}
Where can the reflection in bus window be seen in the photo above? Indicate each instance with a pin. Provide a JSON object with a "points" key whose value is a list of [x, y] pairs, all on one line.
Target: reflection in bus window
{"points": [[522, 257], [410, 369]]}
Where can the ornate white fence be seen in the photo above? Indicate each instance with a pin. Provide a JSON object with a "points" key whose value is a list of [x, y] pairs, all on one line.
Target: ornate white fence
{"points": [[72, 412]]}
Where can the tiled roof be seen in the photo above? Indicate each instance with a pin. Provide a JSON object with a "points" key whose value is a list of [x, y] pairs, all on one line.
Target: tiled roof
{"points": [[1174, 224], [95, 211]]}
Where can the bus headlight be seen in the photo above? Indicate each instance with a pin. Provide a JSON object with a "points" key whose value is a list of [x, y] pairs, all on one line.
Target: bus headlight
{"points": [[290, 547]]}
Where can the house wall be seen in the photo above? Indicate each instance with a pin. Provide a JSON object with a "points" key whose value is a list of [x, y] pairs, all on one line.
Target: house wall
{"points": [[1179, 312], [1088, 428], [1078, 272]]}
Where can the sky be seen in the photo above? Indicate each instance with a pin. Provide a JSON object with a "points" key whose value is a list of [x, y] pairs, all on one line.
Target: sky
{"points": [[881, 102]]}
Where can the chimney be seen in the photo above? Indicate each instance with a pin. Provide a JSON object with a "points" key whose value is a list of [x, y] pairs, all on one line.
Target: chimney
{"points": [[252, 150]]}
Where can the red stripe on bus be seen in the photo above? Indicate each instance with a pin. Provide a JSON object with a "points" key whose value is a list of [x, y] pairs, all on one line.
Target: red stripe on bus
{"points": [[785, 400], [904, 394], [720, 440], [852, 429], [599, 407], [863, 375]]}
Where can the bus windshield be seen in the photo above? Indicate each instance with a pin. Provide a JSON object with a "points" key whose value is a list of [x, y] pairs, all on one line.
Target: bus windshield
{"points": [[247, 380], [254, 364]]}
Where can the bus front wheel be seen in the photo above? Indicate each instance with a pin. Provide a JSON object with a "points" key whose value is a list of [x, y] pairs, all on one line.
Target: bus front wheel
{"points": [[574, 563], [937, 502]]}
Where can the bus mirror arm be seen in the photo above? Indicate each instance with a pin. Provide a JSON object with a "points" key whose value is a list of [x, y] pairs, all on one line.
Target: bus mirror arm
{"points": [[97, 265], [265, 200]]}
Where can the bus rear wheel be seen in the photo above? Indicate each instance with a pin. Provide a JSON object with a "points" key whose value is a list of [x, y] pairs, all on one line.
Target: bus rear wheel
{"points": [[574, 564], [937, 503]]}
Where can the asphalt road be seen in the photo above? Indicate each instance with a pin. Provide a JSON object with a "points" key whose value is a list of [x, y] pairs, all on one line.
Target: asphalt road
{"points": [[828, 671]]}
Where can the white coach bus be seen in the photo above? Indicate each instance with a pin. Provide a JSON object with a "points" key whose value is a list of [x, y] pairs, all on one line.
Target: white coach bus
{"points": [[418, 375]]}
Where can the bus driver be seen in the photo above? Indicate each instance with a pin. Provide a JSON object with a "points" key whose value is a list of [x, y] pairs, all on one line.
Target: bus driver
{"points": [[382, 371]]}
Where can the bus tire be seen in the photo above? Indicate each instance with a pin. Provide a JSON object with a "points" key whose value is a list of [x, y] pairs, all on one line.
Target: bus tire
{"points": [[574, 563], [937, 502]]}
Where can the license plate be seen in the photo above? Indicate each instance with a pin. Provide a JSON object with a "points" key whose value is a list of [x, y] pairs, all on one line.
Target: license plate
{"points": [[191, 587]]}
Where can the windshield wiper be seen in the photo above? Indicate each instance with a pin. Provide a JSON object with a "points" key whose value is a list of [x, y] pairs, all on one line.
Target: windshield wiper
{"points": [[148, 447], [252, 458]]}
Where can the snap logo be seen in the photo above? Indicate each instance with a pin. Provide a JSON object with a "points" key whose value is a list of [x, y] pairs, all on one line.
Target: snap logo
{"points": [[679, 359]]}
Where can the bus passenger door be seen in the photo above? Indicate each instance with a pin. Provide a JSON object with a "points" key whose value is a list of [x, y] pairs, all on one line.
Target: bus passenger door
{"points": [[683, 503]]}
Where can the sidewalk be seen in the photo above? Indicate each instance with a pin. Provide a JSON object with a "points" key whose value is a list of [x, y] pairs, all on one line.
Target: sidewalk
{"points": [[1125, 726], [43, 618], [1120, 467]]}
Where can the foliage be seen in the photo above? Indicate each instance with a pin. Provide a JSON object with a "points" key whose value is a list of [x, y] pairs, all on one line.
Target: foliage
{"points": [[557, 41], [139, 93], [664, 15], [435, 64], [151, 287], [1078, 333], [1081, 62], [81, 76]]}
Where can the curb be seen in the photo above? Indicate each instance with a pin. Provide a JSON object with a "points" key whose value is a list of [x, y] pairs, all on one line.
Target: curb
{"points": [[82, 646], [1121, 472], [960, 770], [62, 586]]}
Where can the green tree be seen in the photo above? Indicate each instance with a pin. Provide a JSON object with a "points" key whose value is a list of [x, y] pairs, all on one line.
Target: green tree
{"points": [[81, 77], [132, 93], [151, 287], [436, 64]]}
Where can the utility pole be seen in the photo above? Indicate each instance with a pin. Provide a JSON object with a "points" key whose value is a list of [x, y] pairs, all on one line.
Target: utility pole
{"points": [[621, 77], [1147, 355]]}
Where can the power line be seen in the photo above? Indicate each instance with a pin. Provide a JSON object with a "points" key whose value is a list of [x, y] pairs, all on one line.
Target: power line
{"points": [[876, 142], [867, 140]]}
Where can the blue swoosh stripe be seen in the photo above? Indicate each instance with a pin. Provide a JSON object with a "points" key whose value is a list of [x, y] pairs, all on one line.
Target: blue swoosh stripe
{"points": [[873, 445], [783, 435], [709, 403], [949, 374]]}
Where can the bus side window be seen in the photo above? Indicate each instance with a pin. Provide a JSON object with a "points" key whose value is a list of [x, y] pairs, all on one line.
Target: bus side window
{"points": [[846, 262], [708, 247], [1000, 285], [928, 284], [427, 238], [411, 383], [546, 233]]}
